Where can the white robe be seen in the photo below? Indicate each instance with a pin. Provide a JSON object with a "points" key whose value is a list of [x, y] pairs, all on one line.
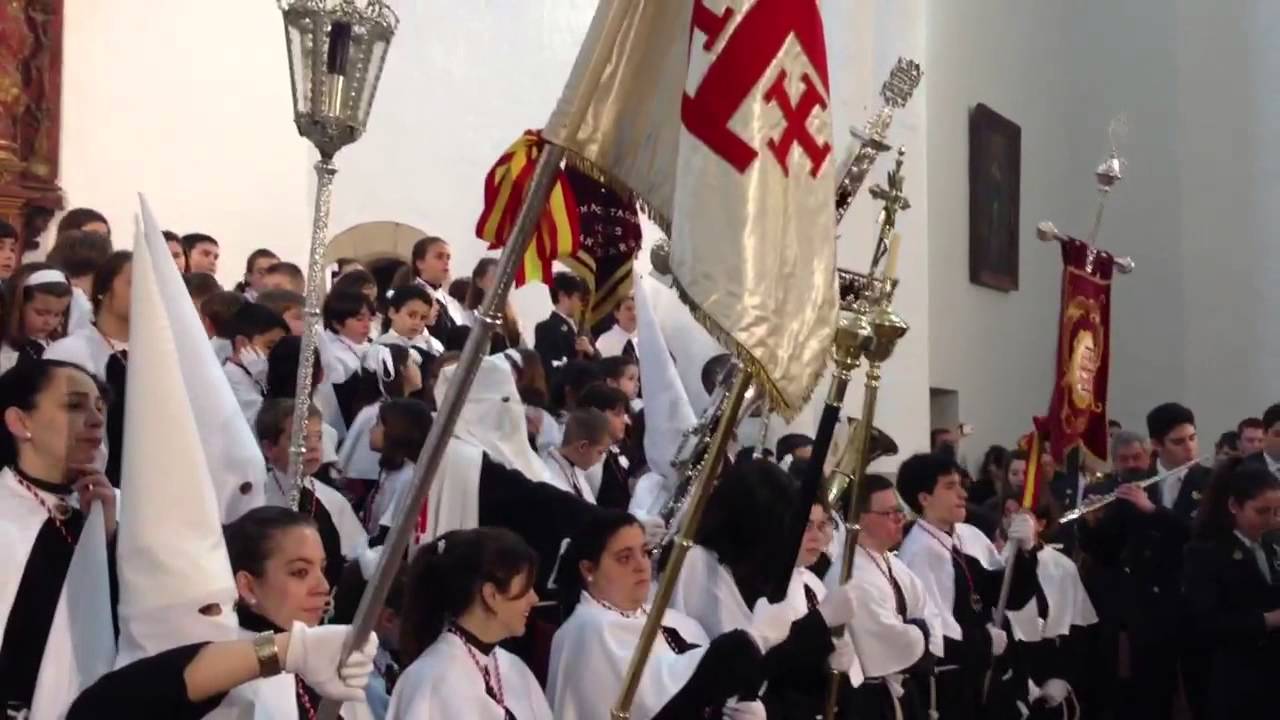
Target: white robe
{"points": [[248, 393], [612, 342], [592, 650], [887, 645], [351, 534], [339, 357], [444, 684], [706, 592], [564, 475], [392, 494], [930, 559], [425, 341], [222, 348], [79, 312], [273, 698], [81, 645], [355, 458], [1069, 603]]}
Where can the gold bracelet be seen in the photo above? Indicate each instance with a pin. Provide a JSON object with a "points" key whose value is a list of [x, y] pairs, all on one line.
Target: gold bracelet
{"points": [[264, 646]]}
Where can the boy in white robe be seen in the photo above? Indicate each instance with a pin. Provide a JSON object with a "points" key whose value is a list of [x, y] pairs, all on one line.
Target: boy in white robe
{"points": [[961, 573], [586, 440], [257, 330]]}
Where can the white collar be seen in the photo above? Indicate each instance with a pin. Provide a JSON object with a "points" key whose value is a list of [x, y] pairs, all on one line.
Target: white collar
{"points": [[947, 539], [1161, 470], [568, 319], [1256, 547], [1272, 463]]}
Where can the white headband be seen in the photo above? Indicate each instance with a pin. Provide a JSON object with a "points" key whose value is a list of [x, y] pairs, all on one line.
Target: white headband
{"points": [[48, 276]]}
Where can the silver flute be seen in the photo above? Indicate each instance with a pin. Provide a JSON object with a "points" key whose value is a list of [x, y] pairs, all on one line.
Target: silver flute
{"points": [[896, 91], [1104, 500]]}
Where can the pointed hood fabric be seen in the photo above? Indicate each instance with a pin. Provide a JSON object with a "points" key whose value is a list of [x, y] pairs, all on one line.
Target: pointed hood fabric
{"points": [[173, 561], [667, 410], [230, 449], [493, 416]]}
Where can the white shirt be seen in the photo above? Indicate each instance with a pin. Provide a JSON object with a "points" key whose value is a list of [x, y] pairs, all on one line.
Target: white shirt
{"points": [[1170, 486], [445, 684], [1272, 464], [80, 313], [446, 301], [248, 390], [1259, 555]]}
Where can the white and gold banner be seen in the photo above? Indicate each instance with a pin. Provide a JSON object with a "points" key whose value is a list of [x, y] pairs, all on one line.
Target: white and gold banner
{"points": [[753, 231], [715, 114]]}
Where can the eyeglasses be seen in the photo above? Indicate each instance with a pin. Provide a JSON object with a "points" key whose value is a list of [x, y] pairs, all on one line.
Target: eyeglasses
{"points": [[894, 514]]}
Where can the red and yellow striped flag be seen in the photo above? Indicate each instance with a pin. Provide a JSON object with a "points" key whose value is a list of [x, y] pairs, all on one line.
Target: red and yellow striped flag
{"points": [[557, 235]]}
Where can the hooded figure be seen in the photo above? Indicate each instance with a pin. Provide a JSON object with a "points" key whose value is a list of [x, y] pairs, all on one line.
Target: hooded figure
{"points": [[490, 476]]}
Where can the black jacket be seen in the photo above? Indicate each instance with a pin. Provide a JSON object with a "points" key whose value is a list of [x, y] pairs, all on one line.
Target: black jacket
{"points": [[555, 340], [1226, 597], [1135, 559]]}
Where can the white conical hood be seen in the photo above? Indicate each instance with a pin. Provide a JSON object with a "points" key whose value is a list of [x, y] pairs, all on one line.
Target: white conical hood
{"points": [[173, 561], [667, 411], [230, 449], [492, 416]]}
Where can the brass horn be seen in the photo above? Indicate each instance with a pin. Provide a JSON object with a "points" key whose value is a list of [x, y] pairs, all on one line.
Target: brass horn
{"points": [[880, 444]]}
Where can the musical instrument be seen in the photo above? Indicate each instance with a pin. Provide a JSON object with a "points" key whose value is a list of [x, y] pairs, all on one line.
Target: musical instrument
{"points": [[1102, 501], [879, 445]]}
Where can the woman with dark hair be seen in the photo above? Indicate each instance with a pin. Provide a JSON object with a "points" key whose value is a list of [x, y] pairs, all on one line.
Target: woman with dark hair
{"points": [[87, 219], [605, 579], [430, 270], [483, 277], [727, 577], [467, 591], [103, 348], [991, 480], [1232, 584], [278, 560], [53, 425], [36, 298]]}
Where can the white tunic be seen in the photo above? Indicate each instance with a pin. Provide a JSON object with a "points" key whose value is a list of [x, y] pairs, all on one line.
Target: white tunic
{"points": [[340, 357], [81, 645], [351, 534], [444, 684], [564, 475], [80, 312], [424, 341], [612, 342], [706, 592], [355, 458], [885, 643], [1069, 603], [592, 650], [248, 393], [927, 551]]}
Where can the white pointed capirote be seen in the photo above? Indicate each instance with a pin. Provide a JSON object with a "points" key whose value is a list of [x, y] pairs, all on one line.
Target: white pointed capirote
{"points": [[176, 585], [667, 410], [230, 450]]}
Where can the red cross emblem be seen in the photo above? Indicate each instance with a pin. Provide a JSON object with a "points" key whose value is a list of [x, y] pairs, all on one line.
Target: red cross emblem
{"points": [[746, 56]]}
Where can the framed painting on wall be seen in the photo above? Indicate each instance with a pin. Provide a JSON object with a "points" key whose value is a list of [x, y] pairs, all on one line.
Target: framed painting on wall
{"points": [[995, 175]]}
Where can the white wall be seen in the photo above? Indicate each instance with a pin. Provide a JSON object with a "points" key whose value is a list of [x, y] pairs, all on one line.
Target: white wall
{"points": [[193, 108], [1196, 210]]}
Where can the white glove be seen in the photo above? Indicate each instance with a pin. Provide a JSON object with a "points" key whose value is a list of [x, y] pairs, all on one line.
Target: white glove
{"points": [[1022, 530], [999, 640], [842, 657], [314, 654], [1053, 692], [254, 361], [770, 624], [655, 531], [737, 709], [837, 606], [368, 559]]}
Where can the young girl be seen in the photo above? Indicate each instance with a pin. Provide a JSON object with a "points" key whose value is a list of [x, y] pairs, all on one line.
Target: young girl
{"points": [[410, 311], [398, 437], [1233, 598], [36, 299], [391, 371], [347, 318], [468, 590]]}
